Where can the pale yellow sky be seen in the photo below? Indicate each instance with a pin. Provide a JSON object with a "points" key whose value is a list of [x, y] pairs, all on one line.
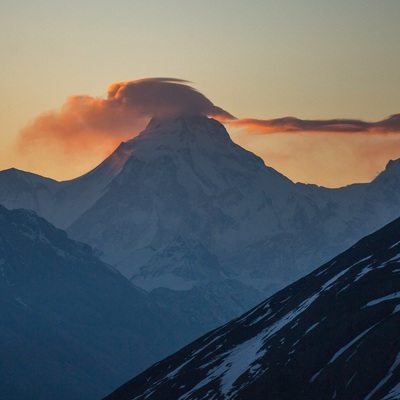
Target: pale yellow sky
{"points": [[261, 59]]}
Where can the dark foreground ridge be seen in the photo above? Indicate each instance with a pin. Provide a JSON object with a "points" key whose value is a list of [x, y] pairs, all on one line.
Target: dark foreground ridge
{"points": [[332, 335], [71, 327]]}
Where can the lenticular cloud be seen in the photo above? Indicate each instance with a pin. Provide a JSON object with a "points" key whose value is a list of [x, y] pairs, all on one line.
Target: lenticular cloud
{"points": [[162, 97], [390, 125], [126, 110]]}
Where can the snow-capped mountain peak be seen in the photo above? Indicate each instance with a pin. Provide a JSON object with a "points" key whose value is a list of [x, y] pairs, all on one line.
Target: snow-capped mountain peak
{"points": [[184, 177]]}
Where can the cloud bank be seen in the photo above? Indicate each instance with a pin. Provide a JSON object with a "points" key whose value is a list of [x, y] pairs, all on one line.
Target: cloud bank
{"points": [[388, 125]]}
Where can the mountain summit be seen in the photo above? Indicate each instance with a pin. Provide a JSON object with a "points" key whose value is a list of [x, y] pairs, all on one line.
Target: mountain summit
{"points": [[185, 181]]}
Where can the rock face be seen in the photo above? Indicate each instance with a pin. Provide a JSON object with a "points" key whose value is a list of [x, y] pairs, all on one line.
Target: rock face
{"points": [[201, 223], [71, 326], [333, 334]]}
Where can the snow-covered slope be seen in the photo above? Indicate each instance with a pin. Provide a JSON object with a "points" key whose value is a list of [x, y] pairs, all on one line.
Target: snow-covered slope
{"points": [[72, 327], [332, 335], [184, 200], [190, 206]]}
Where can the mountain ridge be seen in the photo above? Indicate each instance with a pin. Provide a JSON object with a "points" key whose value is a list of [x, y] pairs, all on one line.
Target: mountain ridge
{"points": [[71, 326], [332, 334]]}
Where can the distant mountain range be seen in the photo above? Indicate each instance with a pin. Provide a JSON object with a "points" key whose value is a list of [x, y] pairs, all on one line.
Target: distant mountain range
{"points": [[199, 222], [333, 334], [200, 231], [71, 327]]}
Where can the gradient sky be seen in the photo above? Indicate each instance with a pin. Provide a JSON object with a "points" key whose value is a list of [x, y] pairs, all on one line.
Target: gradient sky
{"points": [[310, 59]]}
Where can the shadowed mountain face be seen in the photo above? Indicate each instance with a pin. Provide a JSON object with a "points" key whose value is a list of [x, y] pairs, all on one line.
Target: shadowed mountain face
{"points": [[71, 326], [202, 224], [332, 335]]}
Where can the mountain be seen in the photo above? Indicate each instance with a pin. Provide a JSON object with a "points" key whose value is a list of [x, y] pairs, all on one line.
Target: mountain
{"points": [[71, 326], [333, 334], [199, 222], [190, 206], [186, 190], [60, 202]]}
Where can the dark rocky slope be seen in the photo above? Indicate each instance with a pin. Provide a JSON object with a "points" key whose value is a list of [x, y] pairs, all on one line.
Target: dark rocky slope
{"points": [[332, 335], [71, 327]]}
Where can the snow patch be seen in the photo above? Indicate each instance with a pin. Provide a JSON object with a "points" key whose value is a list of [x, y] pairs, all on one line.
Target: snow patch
{"points": [[396, 271], [311, 328], [394, 394], [350, 380], [394, 245], [237, 362], [331, 282], [343, 349], [385, 298], [363, 272], [289, 317], [326, 269], [386, 378], [396, 309], [395, 258], [264, 309], [315, 376], [343, 289], [240, 360], [261, 317]]}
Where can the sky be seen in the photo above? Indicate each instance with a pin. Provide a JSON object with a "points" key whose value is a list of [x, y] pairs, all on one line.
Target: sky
{"points": [[331, 65]]}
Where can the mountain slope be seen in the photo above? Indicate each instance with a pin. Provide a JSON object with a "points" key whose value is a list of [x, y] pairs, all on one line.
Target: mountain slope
{"points": [[60, 202], [71, 326], [182, 208], [185, 184], [190, 206], [331, 335]]}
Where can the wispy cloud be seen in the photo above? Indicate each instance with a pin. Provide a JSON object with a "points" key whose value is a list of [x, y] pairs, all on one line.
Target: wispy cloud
{"points": [[296, 125], [331, 153]]}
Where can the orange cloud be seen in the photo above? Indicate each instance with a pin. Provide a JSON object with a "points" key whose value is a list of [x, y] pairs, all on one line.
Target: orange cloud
{"points": [[87, 128], [295, 125]]}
